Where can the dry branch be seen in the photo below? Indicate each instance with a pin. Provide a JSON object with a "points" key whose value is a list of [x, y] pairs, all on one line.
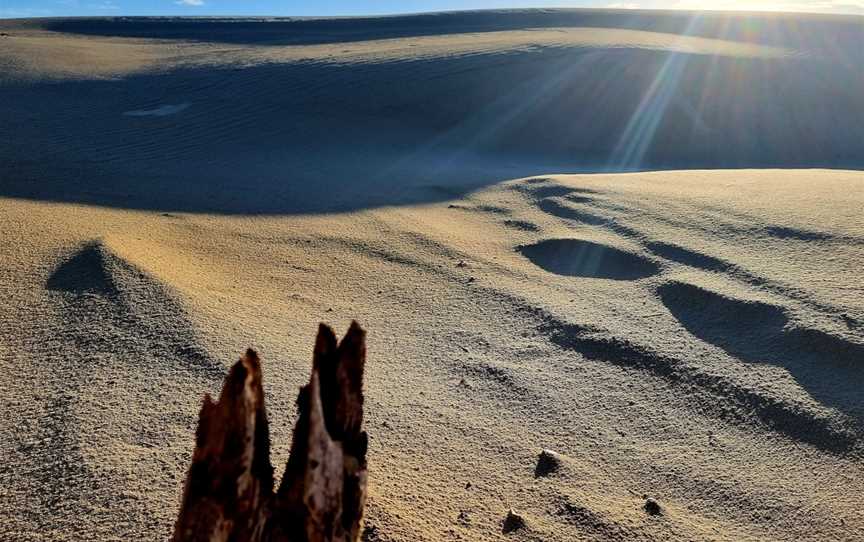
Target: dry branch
{"points": [[229, 488]]}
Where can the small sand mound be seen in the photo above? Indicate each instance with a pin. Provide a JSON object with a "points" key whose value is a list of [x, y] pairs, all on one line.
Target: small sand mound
{"points": [[578, 258]]}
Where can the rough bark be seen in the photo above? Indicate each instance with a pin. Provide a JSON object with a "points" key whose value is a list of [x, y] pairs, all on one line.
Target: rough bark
{"points": [[229, 488]]}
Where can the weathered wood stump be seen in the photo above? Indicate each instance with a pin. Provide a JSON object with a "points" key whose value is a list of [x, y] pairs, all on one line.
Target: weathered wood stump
{"points": [[229, 488]]}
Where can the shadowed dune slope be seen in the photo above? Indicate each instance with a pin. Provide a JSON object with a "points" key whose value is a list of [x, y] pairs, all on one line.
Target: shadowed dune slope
{"points": [[454, 100], [772, 28], [108, 404]]}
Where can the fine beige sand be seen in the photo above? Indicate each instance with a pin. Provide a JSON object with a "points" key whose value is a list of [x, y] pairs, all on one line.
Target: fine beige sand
{"points": [[473, 188]]}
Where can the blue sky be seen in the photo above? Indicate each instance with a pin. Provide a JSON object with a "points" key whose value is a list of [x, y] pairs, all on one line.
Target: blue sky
{"points": [[49, 8]]}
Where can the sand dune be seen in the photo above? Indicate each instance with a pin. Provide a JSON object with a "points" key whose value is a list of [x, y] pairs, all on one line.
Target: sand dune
{"points": [[399, 114], [174, 191]]}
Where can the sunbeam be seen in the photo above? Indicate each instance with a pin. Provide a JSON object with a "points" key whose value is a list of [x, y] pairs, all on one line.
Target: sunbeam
{"points": [[639, 133]]}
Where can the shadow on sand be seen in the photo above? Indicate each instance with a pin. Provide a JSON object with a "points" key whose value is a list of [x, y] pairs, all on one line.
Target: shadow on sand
{"points": [[578, 258], [828, 367], [313, 137]]}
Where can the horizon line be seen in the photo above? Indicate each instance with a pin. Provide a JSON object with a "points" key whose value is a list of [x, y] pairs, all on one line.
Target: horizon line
{"points": [[669, 10]]}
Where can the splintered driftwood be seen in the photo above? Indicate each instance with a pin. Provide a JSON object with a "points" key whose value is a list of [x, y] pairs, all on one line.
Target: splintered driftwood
{"points": [[229, 488]]}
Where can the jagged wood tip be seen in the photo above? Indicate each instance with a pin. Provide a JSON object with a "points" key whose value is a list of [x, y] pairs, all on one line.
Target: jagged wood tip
{"points": [[229, 488]]}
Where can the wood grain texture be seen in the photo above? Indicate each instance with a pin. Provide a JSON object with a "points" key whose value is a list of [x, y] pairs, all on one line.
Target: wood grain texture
{"points": [[229, 491]]}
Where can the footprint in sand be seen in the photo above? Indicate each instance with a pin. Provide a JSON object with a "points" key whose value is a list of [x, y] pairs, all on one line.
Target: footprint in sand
{"points": [[578, 258], [555, 208], [521, 225], [544, 196], [828, 367], [752, 330]]}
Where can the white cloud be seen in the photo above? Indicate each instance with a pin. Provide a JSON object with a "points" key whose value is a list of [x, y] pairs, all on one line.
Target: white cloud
{"points": [[193, 3]]}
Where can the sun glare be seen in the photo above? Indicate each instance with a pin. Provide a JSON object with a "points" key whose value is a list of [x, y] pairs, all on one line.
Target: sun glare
{"points": [[740, 5]]}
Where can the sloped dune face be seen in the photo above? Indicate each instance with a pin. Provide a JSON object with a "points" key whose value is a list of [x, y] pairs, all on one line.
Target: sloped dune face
{"points": [[465, 99], [668, 355], [118, 374]]}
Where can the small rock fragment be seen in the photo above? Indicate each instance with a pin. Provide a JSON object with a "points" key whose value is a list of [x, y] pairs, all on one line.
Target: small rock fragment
{"points": [[513, 522], [652, 507], [547, 463], [370, 534]]}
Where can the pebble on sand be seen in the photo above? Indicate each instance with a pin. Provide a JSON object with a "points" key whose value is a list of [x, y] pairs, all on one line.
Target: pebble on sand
{"points": [[547, 463], [653, 507], [513, 522]]}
